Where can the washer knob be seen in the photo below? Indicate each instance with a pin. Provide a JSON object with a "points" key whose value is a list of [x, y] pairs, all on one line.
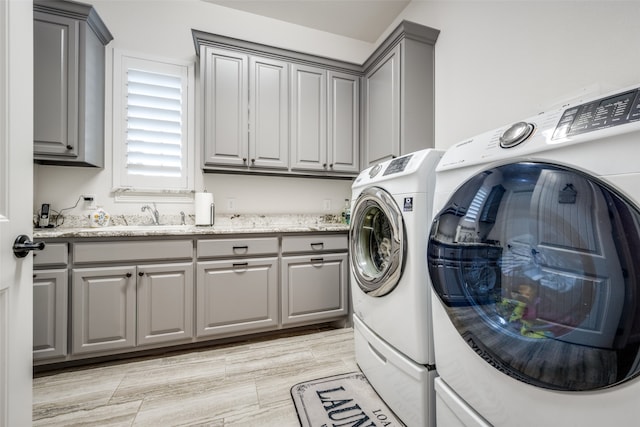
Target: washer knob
{"points": [[375, 170], [517, 133]]}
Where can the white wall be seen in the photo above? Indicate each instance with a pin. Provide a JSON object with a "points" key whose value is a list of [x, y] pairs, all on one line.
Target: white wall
{"points": [[163, 28], [496, 63], [503, 61]]}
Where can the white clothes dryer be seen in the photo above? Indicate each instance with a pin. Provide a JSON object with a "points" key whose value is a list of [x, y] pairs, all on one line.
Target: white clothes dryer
{"points": [[534, 258], [391, 301]]}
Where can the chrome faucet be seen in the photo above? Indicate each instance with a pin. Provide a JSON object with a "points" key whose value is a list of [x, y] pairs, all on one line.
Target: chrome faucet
{"points": [[155, 215]]}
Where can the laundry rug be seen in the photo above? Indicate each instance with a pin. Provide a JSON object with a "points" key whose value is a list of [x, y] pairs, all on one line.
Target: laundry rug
{"points": [[342, 400]]}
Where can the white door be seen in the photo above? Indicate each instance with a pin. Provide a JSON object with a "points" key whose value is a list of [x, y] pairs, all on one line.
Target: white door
{"points": [[16, 200]]}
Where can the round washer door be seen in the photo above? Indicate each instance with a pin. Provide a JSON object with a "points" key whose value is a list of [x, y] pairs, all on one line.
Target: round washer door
{"points": [[537, 267], [377, 242]]}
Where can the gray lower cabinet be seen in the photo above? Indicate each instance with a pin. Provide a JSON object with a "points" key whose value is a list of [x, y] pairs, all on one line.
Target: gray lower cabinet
{"points": [[314, 279], [237, 289], [128, 294], [314, 288], [127, 306], [165, 303], [119, 296], [49, 313], [50, 296], [103, 309], [69, 86], [235, 296]]}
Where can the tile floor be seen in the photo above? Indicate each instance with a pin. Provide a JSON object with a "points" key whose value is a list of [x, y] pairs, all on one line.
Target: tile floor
{"points": [[241, 384]]}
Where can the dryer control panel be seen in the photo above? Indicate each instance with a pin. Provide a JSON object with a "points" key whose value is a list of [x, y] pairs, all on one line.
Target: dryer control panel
{"points": [[599, 114], [584, 122]]}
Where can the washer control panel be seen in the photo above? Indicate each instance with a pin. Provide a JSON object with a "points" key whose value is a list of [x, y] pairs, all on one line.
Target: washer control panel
{"points": [[397, 165]]}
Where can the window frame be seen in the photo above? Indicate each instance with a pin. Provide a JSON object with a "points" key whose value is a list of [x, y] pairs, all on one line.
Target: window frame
{"points": [[130, 187]]}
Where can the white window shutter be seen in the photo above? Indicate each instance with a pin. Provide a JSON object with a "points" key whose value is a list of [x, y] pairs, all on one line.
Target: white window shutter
{"points": [[154, 124], [153, 145]]}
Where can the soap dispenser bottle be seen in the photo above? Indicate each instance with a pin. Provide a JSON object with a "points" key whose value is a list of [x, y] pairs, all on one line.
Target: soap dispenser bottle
{"points": [[346, 212]]}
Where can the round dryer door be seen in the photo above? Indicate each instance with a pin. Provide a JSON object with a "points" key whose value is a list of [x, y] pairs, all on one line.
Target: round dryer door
{"points": [[537, 267], [377, 243]]}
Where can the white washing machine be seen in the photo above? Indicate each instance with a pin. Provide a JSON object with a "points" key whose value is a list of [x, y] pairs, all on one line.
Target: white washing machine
{"points": [[534, 257], [391, 299]]}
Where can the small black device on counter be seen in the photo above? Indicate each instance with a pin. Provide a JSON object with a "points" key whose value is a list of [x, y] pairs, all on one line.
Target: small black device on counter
{"points": [[43, 221]]}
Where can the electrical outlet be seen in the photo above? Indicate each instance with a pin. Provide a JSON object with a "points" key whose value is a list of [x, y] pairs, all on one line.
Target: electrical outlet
{"points": [[326, 205], [89, 201], [231, 205]]}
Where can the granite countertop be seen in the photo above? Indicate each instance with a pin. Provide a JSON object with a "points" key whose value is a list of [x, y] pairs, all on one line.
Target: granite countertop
{"points": [[234, 224]]}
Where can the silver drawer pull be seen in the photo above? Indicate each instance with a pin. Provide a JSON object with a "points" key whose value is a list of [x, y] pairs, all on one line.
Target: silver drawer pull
{"points": [[317, 260], [237, 248], [315, 245], [240, 264]]}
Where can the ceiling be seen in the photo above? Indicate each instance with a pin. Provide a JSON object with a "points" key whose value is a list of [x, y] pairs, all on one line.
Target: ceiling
{"points": [[363, 20]]}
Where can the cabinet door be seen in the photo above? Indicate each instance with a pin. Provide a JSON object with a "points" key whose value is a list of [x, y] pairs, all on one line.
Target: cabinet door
{"points": [[103, 309], [224, 76], [314, 288], [343, 122], [382, 109], [49, 313], [236, 296], [55, 81], [269, 114], [165, 302], [308, 118]]}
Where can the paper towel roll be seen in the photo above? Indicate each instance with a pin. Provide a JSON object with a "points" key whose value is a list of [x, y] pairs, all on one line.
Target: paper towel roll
{"points": [[204, 208]]}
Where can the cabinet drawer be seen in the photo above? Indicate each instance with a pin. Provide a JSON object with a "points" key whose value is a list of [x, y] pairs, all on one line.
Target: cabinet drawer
{"points": [[132, 251], [315, 243], [237, 247], [52, 254]]}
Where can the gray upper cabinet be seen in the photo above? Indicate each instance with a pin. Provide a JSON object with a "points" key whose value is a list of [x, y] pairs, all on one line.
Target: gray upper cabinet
{"points": [[309, 118], [224, 75], [268, 113], [335, 128], [382, 118], [325, 120], [399, 94], [343, 122], [245, 110], [271, 110], [69, 88]]}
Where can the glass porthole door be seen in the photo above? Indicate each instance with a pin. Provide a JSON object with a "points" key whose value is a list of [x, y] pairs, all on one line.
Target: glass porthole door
{"points": [[377, 242], [538, 267]]}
